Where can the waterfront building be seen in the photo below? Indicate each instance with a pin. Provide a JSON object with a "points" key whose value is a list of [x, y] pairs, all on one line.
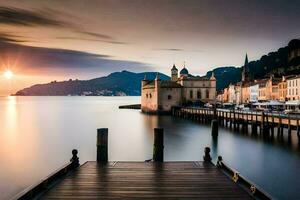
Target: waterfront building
{"points": [[273, 90], [159, 96], [254, 88], [293, 88], [262, 90], [245, 98], [225, 95], [231, 94], [238, 93], [282, 89], [220, 96]]}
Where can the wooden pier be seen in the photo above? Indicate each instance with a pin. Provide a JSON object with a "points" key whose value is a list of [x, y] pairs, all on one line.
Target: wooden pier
{"points": [[266, 123], [147, 180], [154, 179]]}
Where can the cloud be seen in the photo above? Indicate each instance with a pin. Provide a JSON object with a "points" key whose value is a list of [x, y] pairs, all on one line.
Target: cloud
{"points": [[90, 39], [52, 60], [176, 50], [17, 16], [172, 49], [46, 17], [10, 38], [97, 35]]}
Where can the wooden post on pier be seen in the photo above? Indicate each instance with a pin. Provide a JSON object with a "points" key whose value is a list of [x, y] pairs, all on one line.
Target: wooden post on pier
{"points": [[226, 119], [214, 128], [298, 130], [272, 127], [279, 127], [262, 125], [158, 146], [102, 145], [289, 127]]}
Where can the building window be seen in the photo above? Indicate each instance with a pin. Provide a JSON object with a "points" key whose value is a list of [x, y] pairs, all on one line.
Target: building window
{"points": [[169, 97], [146, 95], [191, 94], [198, 94], [207, 94], [150, 96]]}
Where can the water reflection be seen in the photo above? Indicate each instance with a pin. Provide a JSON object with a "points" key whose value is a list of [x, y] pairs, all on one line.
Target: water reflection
{"points": [[37, 135], [214, 147]]}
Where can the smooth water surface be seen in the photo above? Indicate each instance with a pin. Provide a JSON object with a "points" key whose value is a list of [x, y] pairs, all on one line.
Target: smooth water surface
{"points": [[37, 135]]}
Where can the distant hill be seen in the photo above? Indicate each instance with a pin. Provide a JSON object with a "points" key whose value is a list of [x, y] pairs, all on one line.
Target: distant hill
{"points": [[225, 76], [116, 84]]}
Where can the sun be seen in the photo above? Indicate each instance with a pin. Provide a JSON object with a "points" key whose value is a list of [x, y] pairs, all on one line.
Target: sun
{"points": [[8, 74]]}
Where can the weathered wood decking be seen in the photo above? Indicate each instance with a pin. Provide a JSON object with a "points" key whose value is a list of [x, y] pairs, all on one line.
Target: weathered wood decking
{"points": [[147, 180]]}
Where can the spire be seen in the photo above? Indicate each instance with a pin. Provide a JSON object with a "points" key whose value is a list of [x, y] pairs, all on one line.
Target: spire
{"points": [[212, 76], [245, 75], [174, 67], [183, 64], [246, 60], [145, 77]]}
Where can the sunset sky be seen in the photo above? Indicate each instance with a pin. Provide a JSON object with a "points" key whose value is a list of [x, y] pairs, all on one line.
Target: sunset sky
{"points": [[49, 40]]}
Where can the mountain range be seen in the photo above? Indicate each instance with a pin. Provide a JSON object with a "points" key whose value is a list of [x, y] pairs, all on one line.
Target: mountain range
{"points": [[129, 83], [123, 83]]}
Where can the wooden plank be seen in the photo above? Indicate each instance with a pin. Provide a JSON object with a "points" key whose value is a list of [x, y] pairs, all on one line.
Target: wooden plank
{"points": [[147, 180]]}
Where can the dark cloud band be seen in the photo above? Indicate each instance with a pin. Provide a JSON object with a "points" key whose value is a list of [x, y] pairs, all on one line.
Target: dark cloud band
{"points": [[51, 59], [16, 16]]}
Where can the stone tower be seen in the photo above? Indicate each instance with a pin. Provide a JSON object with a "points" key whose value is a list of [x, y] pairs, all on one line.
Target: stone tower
{"points": [[174, 73], [245, 70]]}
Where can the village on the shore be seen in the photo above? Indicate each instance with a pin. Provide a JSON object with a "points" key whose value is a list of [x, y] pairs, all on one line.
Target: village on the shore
{"points": [[271, 93]]}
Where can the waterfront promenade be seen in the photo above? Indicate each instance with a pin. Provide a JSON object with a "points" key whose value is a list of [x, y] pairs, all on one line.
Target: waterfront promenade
{"points": [[266, 123]]}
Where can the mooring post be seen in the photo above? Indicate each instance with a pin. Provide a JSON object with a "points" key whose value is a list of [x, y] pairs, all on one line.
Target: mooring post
{"points": [[219, 162], [214, 128], [158, 146], [206, 156], [102, 145], [289, 126], [279, 126], [74, 160]]}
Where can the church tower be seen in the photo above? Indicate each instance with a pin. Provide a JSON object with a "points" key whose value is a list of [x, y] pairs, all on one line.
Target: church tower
{"points": [[174, 73], [245, 70]]}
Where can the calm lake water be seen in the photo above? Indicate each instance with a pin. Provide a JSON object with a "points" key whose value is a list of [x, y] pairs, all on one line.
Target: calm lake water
{"points": [[37, 135]]}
